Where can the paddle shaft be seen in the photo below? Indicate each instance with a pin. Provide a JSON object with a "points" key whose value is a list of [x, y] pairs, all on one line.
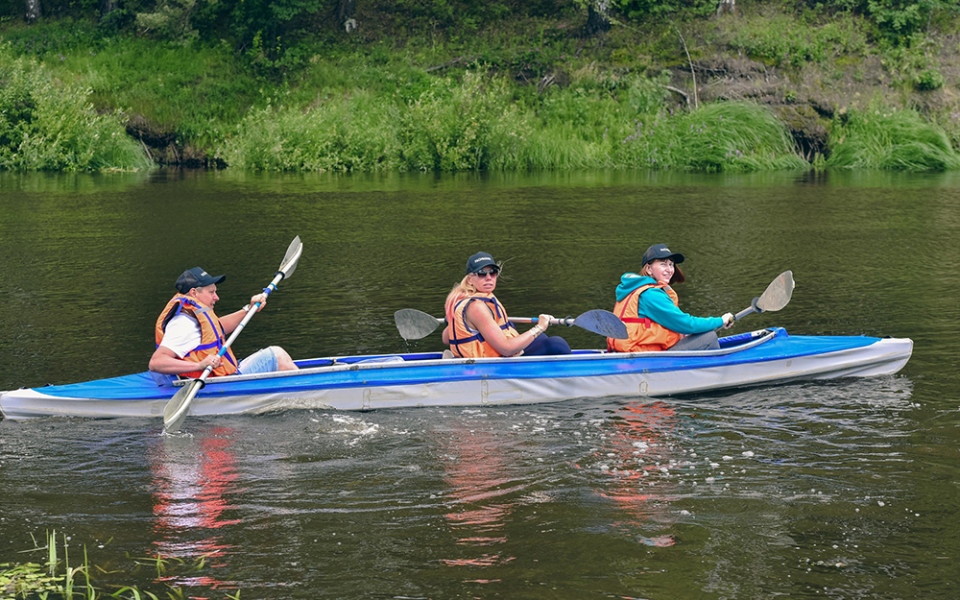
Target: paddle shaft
{"points": [[415, 324], [555, 321], [569, 321]]}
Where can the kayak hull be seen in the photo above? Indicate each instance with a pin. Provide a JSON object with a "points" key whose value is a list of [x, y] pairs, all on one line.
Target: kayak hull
{"points": [[761, 357]]}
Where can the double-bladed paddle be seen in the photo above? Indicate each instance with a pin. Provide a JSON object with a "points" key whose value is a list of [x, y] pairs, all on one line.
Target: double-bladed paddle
{"points": [[177, 407], [414, 324], [775, 297]]}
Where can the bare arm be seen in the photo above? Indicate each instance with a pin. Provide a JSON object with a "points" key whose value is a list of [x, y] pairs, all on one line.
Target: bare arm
{"points": [[479, 317], [165, 360], [231, 321]]}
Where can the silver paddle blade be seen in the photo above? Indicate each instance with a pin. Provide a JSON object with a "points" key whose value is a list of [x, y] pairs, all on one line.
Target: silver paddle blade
{"points": [[176, 409], [415, 324], [778, 293], [602, 322], [291, 258]]}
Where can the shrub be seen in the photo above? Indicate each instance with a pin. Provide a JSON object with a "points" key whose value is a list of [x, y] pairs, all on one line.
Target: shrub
{"points": [[928, 80], [881, 138], [735, 136], [48, 127]]}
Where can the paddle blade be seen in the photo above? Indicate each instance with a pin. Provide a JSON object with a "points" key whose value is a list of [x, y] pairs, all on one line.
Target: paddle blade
{"points": [[415, 324], [603, 322], [778, 293], [291, 258], [177, 407]]}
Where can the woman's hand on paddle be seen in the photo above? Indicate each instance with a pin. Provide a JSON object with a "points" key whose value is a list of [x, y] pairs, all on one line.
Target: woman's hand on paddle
{"points": [[543, 321], [728, 320]]}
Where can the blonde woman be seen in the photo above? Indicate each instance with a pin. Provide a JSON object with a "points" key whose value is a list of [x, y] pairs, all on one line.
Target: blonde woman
{"points": [[477, 324]]}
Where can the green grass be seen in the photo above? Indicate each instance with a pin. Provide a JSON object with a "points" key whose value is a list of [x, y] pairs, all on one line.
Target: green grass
{"points": [[46, 125], [476, 123], [54, 577], [786, 40], [526, 96], [884, 138]]}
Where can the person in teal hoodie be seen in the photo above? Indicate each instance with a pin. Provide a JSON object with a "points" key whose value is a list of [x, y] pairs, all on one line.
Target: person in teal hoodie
{"points": [[648, 305]]}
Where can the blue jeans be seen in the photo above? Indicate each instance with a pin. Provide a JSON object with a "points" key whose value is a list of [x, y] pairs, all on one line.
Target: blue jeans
{"points": [[261, 361]]}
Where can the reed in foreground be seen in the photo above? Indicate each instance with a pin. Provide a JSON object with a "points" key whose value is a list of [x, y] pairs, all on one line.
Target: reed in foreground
{"points": [[56, 579]]}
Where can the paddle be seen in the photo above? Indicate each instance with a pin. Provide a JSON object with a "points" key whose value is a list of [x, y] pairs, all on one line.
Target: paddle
{"points": [[414, 324], [176, 409], [775, 297]]}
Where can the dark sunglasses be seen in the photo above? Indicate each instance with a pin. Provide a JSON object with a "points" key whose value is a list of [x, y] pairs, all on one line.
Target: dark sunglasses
{"points": [[487, 272]]}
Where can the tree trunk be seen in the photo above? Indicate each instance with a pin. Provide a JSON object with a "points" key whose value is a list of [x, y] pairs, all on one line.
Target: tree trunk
{"points": [[345, 13], [33, 10], [107, 7], [597, 21]]}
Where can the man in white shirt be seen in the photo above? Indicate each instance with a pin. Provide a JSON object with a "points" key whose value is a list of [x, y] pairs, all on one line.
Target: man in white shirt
{"points": [[189, 334]]}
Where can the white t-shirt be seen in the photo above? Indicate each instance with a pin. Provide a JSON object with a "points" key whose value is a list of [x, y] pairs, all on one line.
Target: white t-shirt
{"points": [[181, 335]]}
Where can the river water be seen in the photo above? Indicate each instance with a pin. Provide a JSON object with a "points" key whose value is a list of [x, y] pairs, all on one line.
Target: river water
{"points": [[842, 489]]}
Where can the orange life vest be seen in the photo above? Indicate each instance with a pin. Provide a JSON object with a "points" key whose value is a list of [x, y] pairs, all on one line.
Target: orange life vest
{"points": [[645, 334], [211, 333], [469, 343]]}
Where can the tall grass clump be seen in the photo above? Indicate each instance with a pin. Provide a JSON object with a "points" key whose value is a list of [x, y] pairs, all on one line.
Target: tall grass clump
{"points": [[451, 126], [55, 579], [46, 126], [463, 126], [733, 137], [352, 132], [892, 139], [573, 124]]}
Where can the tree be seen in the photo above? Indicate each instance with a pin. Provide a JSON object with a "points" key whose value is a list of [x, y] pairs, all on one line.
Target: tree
{"points": [[33, 10]]}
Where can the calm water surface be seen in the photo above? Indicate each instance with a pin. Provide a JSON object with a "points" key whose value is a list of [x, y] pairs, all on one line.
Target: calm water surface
{"points": [[843, 489]]}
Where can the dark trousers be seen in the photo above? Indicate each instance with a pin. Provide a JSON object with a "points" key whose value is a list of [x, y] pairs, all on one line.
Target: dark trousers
{"points": [[544, 344]]}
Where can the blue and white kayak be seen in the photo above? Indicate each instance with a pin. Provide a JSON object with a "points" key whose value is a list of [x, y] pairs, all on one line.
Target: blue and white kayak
{"points": [[762, 357]]}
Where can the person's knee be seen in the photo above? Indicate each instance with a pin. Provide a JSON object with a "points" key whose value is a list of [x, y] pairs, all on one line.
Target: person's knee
{"points": [[284, 362], [558, 345]]}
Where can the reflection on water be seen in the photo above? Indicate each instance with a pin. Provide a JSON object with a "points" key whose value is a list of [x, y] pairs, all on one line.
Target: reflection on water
{"points": [[636, 462], [481, 489], [194, 476]]}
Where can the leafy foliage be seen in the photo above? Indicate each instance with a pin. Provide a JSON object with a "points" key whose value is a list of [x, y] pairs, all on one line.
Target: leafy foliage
{"points": [[47, 127]]}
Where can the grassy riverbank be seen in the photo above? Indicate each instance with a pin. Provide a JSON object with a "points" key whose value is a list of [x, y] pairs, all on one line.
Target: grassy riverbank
{"points": [[774, 90]]}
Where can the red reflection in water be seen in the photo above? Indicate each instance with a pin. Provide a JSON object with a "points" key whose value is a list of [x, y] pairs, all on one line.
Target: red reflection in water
{"points": [[635, 450], [476, 474], [192, 479]]}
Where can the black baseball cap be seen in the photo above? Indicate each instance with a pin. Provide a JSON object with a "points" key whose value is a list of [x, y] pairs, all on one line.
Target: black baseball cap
{"points": [[479, 261], [196, 278], [660, 252]]}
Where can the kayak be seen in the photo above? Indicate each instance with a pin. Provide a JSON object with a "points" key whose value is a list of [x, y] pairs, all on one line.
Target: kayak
{"points": [[368, 382]]}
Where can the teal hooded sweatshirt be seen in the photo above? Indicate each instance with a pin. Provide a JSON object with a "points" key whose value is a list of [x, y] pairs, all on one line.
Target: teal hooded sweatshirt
{"points": [[656, 305]]}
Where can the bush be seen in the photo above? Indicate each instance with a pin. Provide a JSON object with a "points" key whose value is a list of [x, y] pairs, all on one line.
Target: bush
{"points": [[881, 138], [928, 80], [734, 136], [46, 127]]}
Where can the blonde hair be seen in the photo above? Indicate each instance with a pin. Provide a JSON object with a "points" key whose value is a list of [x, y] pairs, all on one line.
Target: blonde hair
{"points": [[462, 290]]}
